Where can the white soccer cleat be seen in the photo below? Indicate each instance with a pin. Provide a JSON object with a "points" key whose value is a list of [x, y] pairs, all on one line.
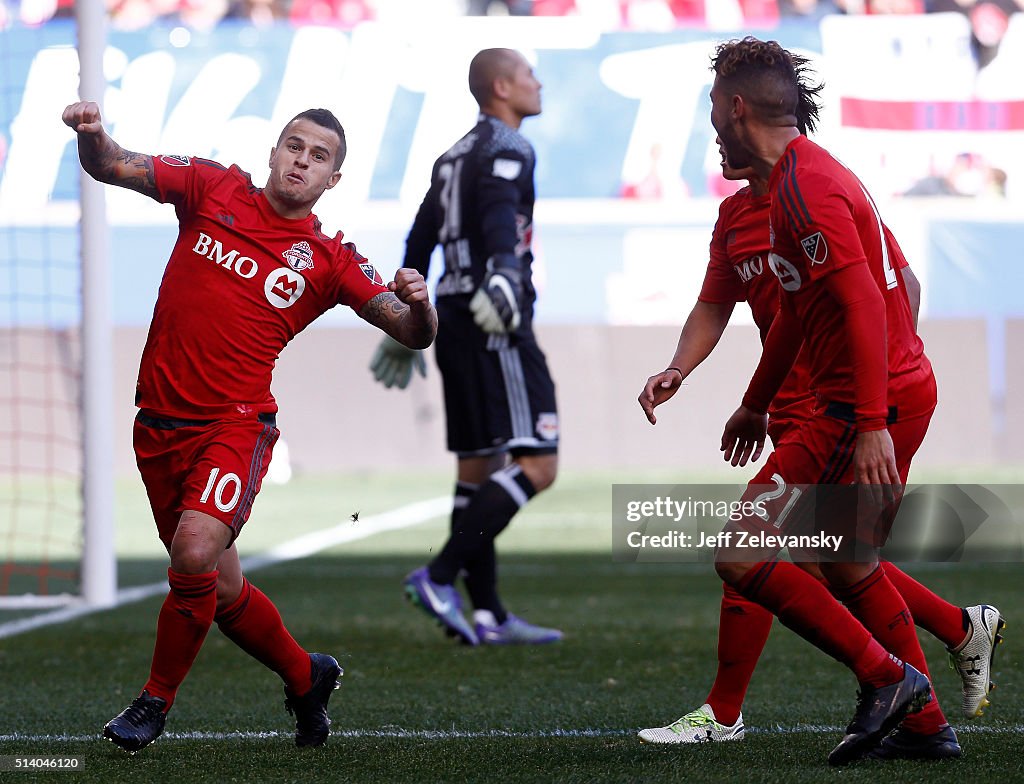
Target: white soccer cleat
{"points": [[973, 658], [699, 726]]}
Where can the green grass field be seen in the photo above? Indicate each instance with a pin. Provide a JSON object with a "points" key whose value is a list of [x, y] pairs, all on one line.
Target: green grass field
{"points": [[639, 651]]}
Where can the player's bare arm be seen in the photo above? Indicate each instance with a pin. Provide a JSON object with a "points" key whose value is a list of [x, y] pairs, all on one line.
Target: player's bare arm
{"points": [[103, 158], [700, 334], [404, 311]]}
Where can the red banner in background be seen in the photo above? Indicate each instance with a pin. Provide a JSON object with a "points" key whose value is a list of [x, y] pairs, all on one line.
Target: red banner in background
{"points": [[973, 115]]}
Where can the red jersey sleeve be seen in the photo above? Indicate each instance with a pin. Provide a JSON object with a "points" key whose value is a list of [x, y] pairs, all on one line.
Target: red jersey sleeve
{"points": [[180, 180], [358, 280], [864, 309], [720, 281], [830, 238], [780, 350]]}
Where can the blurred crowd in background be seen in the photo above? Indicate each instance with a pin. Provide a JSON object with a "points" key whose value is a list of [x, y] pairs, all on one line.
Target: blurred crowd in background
{"points": [[988, 18], [968, 174]]}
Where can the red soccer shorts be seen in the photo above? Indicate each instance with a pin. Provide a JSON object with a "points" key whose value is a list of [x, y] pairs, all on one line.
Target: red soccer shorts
{"points": [[211, 467], [805, 486]]}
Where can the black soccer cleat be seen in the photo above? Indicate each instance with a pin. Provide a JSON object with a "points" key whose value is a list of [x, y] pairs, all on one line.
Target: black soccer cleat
{"points": [[139, 724], [878, 712], [903, 744], [312, 725]]}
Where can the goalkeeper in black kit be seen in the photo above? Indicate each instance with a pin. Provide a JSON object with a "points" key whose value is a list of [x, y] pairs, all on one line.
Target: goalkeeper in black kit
{"points": [[502, 419]]}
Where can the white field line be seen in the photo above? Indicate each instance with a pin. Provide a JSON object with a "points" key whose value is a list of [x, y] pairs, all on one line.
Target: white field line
{"points": [[300, 547], [443, 735]]}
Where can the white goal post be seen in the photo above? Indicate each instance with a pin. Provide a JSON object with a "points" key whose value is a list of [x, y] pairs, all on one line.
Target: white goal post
{"points": [[99, 562], [72, 356]]}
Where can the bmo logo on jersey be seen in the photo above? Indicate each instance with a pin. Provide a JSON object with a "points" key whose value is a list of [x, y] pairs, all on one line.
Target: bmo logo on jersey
{"points": [[212, 249], [750, 268], [283, 287], [788, 275]]}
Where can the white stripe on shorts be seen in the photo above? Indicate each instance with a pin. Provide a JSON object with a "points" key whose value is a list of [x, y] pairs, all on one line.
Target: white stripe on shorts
{"points": [[515, 391]]}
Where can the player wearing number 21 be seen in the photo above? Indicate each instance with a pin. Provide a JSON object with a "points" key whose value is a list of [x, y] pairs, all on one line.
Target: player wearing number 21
{"points": [[250, 269], [843, 300]]}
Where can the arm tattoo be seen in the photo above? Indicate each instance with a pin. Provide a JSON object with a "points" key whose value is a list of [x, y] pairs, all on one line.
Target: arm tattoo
{"points": [[384, 309], [110, 163], [135, 171], [388, 313]]}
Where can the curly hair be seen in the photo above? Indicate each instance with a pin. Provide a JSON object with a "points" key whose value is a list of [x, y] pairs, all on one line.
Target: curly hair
{"points": [[774, 81]]}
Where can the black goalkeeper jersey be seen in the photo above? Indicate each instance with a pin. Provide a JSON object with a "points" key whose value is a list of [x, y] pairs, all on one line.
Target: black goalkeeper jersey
{"points": [[480, 204]]}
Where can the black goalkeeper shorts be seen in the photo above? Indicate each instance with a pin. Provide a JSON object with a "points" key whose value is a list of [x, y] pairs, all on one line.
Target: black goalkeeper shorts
{"points": [[498, 393]]}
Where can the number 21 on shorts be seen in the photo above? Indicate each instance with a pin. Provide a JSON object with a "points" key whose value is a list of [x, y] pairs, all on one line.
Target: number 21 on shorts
{"points": [[225, 491]]}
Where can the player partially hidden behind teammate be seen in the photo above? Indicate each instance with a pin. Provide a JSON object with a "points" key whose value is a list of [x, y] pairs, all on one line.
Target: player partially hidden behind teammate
{"points": [[499, 396], [250, 269], [874, 390], [738, 271]]}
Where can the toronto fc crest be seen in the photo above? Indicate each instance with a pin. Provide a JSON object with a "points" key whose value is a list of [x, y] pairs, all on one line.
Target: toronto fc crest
{"points": [[299, 256]]}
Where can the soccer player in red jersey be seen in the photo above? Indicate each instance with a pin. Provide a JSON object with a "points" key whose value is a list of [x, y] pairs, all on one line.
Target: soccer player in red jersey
{"points": [[738, 272], [251, 268], [874, 395]]}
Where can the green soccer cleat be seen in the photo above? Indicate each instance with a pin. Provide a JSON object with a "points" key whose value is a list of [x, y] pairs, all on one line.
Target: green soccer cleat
{"points": [[699, 726]]}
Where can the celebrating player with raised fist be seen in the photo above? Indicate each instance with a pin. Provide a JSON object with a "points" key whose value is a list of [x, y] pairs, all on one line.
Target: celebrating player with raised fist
{"points": [[251, 268]]}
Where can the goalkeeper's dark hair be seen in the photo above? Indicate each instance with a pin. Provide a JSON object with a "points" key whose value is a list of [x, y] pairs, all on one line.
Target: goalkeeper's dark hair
{"points": [[325, 119], [775, 82]]}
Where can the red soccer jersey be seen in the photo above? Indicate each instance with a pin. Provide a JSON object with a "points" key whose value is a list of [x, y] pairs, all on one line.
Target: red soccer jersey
{"points": [[738, 271], [240, 283], [823, 220]]}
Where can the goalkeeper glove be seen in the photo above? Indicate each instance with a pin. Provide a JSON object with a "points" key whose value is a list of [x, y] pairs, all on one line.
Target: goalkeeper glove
{"points": [[393, 363], [495, 306]]}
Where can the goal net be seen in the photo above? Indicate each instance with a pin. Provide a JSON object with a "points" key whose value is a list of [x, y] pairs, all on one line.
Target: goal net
{"points": [[43, 332]]}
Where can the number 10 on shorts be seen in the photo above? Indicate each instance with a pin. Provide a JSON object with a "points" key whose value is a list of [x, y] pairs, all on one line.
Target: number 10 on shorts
{"points": [[221, 488]]}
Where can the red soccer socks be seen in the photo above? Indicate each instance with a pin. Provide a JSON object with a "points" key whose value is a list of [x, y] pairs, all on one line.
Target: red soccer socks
{"points": [[743, 629], [804, 605], [184, 620], [935, 615], [879, 606], [253, 623]]}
